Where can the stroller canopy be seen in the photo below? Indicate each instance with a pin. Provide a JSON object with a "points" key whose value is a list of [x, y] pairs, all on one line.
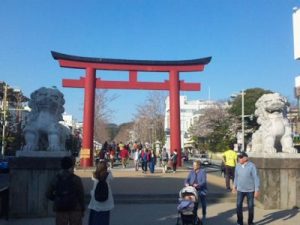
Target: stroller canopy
{"points": [[188, 191]]}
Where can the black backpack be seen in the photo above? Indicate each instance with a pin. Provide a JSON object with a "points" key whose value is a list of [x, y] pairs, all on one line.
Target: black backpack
{"points": [[65, 193], [101, 191]]}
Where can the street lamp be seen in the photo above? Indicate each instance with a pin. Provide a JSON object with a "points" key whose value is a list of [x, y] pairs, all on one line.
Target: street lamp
{"points": [[241, 135], [243, 120]]}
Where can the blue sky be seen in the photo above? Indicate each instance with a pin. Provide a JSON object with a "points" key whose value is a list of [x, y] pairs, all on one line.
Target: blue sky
{"points": [[251, 44]]}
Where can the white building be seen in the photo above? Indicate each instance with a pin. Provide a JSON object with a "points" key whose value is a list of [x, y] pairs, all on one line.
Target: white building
{"points": [[189, 112], [68, 120], [296, 30]]}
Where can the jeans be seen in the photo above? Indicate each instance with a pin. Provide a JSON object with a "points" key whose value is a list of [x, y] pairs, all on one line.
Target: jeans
{"points": [[99, 218], [144, 166], [203, 204], [152, 167], [229, 174], [239, 206]]}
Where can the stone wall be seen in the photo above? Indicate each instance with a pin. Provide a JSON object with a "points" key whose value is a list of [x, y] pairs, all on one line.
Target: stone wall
{"points": [[280, 180]]}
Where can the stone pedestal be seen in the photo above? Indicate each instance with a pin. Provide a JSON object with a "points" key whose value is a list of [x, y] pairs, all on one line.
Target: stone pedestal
{"points": [[280, 180], [29, 179], [43, 154]]}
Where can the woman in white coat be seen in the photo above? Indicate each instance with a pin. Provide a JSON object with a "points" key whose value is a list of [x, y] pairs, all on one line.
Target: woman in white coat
{"points": [[100, 211]]}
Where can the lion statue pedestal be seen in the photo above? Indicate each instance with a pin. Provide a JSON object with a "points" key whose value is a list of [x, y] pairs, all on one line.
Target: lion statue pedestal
{"points": [[279, 180], [274, 155], [39, 160]]}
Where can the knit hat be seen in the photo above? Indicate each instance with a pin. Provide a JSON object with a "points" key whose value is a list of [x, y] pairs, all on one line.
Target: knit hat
{"points": [[66, 163], [242, 155]]}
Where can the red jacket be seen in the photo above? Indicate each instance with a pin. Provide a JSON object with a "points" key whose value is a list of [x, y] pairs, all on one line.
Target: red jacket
{"points": [[124, 153]]}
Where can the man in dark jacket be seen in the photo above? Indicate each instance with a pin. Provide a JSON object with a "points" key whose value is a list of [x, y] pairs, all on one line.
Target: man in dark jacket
{"points": [[174, 157], [66, 190]]}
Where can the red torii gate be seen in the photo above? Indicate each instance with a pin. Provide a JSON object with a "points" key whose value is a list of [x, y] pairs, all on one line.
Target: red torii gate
{"points": [[89, 82]]}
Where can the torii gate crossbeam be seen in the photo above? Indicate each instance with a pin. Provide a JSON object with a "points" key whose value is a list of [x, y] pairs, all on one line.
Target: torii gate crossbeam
{"points": [[89, 82]]}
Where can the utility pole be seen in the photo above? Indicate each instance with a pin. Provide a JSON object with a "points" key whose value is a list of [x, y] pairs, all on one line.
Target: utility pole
{"points": [[4, 104]]}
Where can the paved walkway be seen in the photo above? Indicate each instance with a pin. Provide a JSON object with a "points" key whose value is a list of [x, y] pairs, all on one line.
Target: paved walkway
{"points": [[130, 183]]}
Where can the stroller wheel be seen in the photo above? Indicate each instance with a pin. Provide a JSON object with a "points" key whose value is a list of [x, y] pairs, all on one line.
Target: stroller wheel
{"points": [[199, 222]]}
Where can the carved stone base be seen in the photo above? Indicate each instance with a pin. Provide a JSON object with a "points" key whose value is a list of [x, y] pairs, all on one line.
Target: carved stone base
{"points": [[29, 179], [280, 180]]}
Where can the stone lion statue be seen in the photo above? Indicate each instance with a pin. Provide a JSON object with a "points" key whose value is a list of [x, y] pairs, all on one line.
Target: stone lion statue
{"points": [[43, 130], [274, 134]]}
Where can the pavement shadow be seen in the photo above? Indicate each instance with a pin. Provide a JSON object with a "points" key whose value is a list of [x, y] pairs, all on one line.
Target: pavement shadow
{"points": [[223, 218], [146, 214], [283, 215], [151, 184], [156, 184]]}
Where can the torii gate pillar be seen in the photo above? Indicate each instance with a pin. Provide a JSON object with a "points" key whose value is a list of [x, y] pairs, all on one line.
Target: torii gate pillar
{"points": [[90, 83], [88, 118], [175, 137]]}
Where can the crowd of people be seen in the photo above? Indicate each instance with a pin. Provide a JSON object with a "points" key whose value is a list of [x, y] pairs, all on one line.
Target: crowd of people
{"points": [[144, 156]]}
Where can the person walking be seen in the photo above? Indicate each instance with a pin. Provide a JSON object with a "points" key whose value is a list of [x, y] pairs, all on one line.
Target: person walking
{"points": [[136, 158], [124, 154], [174, 157], [197, 179], [112, 156], [230, 160], [144, 159], [152, 161], [246, 184], [100, 211], [66, 190], [102, 155], [105, 147], [164, 160]]}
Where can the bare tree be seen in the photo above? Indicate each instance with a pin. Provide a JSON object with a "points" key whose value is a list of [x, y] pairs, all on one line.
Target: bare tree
{"points": [[124, 132], [215, 126], [209, 118], [103, 114], [149, 122]]}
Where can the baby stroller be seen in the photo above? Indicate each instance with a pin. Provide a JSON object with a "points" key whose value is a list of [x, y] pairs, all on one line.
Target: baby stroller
{"points": [[188, 207]]}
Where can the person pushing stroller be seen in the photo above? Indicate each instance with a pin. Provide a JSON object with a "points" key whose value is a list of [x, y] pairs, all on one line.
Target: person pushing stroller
{"points": [[197, 179]]}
